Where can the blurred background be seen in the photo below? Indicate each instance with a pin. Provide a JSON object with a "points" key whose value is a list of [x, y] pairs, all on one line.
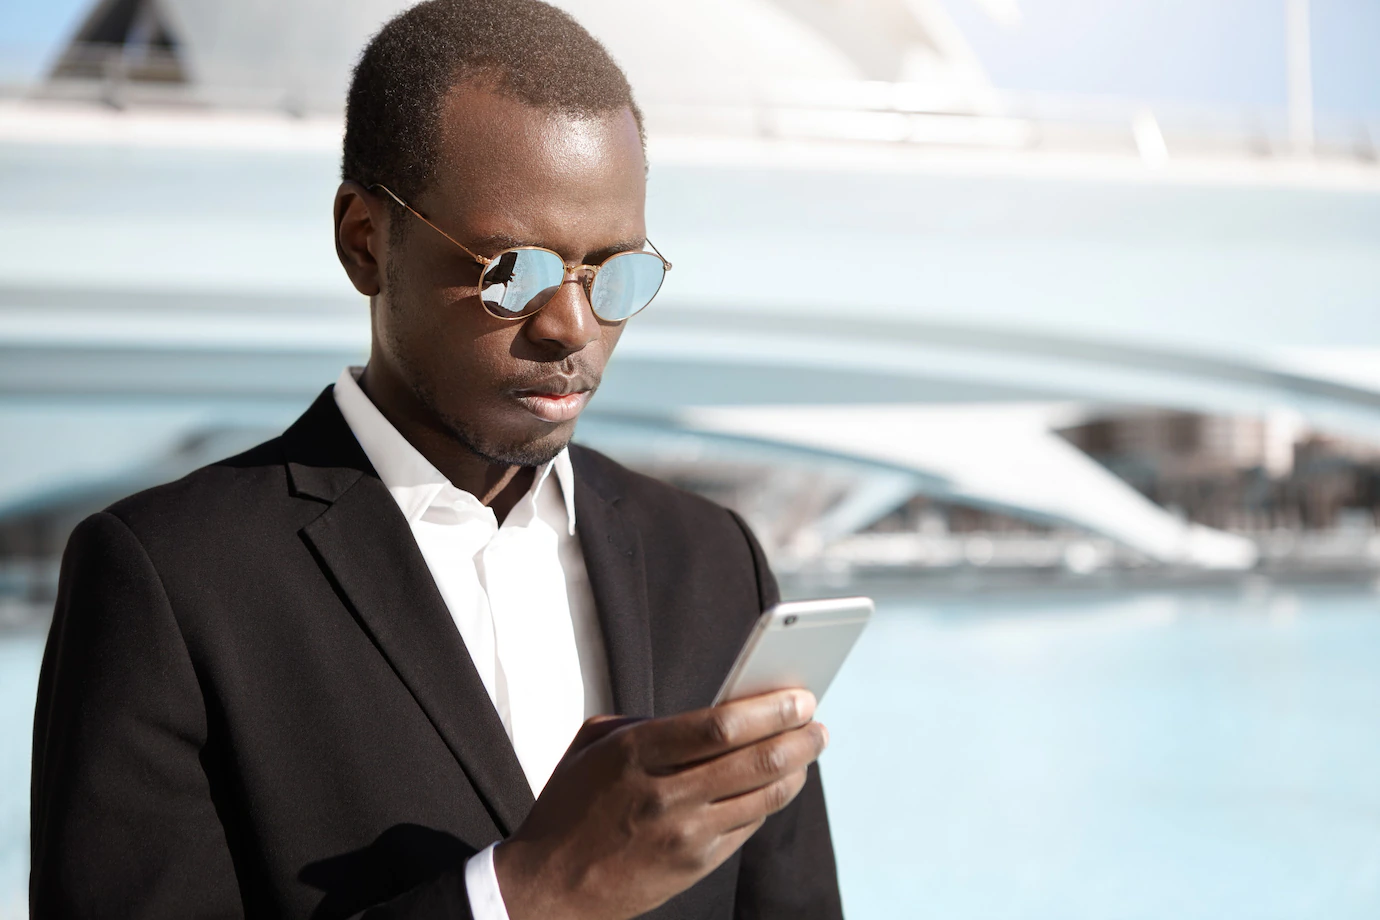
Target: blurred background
{"points": [[1052, 324]]}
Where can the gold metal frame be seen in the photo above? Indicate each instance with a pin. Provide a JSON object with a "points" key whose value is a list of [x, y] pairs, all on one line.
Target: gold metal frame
{"points": [[575, 268]]}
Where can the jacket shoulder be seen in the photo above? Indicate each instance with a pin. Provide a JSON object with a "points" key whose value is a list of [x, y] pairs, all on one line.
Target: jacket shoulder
{"points": [[231, 488]]}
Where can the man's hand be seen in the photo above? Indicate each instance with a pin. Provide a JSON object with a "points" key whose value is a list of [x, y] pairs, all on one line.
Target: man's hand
{"points": [[638, 811]]}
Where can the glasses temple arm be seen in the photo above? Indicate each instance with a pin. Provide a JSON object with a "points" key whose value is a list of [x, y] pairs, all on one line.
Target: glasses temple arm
{"points": [[659, 255], [478, 258]]}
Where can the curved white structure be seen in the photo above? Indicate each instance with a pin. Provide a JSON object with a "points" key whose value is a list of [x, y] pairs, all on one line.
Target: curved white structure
{"points": [[184, 259]]}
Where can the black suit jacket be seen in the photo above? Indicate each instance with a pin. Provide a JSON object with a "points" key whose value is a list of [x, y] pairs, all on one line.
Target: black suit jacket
{"points": [[254, 702]]}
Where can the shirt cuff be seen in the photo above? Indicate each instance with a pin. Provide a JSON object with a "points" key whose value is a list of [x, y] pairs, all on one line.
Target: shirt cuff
{"points": [[481, 884]]}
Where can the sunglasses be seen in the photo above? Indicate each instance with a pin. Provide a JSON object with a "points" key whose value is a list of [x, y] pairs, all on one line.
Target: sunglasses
{"points": [[518, 282]]}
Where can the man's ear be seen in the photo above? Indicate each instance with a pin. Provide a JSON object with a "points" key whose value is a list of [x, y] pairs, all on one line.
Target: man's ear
{"points": [[361, 233]]}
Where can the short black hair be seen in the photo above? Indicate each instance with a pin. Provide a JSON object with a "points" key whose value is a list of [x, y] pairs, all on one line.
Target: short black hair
{"points": [[531, 51]]}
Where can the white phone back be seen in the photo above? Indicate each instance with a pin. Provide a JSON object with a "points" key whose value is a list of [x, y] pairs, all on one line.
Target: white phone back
{"points": [[797, 644]]}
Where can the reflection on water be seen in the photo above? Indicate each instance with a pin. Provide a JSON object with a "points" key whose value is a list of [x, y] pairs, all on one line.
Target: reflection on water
{"points": [[1188, 754]]}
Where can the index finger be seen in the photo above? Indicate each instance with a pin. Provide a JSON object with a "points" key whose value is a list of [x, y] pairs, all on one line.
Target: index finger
{"points": [[703, 734]]}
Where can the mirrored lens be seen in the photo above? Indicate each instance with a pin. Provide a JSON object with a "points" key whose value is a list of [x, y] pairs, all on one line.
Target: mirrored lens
{"points": [[520, 281], [625, 284]]}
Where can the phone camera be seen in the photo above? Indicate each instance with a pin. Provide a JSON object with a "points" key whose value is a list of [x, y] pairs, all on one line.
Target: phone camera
{"points": [[790, 620]]}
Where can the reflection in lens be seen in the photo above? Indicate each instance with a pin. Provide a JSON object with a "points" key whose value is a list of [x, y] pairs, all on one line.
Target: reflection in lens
{"points": [[520, 281], [625, 284]]}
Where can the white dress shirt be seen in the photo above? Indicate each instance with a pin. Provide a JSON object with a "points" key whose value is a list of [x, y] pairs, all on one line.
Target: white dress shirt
{"points": [[518, 593]]}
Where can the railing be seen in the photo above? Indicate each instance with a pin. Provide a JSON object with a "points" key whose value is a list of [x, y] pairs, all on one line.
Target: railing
{"points": [[935, 116], [983, 118]]}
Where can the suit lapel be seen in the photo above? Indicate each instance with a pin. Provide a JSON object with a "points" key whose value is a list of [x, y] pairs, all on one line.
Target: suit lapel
{"points": [[363, 542], [613, 558]]}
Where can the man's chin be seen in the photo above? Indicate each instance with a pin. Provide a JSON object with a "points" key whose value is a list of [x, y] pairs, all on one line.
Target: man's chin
{"points": [[515, 450], [527, 455]]}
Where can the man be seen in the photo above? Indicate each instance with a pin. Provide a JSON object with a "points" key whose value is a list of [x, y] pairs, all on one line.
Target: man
{"points": [[339, 674]]}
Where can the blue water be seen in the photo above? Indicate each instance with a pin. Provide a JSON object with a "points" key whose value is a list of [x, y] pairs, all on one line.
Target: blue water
{"points": [[1186, 754], [1178, 755], [19, 660]]}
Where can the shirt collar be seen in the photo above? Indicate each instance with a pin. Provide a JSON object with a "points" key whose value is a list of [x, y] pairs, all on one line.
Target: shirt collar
{"points": [[565, 478], [409, 477]]}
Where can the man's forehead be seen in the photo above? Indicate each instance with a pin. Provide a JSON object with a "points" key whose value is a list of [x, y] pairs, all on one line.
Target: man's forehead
{"points": [[515, 172], [492, 141]]}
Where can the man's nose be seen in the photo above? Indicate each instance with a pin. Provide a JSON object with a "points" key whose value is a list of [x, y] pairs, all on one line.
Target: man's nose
{"points": [[567, 323]]}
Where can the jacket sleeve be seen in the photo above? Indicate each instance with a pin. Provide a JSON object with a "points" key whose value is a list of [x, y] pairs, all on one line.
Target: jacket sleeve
{"points": [[122, 818], [787, 867]]}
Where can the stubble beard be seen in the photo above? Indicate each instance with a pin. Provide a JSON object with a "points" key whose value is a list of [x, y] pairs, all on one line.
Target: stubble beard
{"points": [[533, 453]]}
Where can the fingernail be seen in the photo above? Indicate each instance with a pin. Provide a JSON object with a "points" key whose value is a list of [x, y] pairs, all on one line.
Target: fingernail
{"points": [[804, 703], [825, 732]]}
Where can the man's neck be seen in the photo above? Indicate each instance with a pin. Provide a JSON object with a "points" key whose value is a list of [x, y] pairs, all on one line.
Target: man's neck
{"points": [[499, 486]]}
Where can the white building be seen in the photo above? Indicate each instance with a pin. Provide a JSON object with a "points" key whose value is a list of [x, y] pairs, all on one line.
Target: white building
{"points": [[880, 259]]}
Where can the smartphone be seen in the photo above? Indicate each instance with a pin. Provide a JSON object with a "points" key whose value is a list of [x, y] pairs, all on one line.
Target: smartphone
{"points": [[797, 644]]}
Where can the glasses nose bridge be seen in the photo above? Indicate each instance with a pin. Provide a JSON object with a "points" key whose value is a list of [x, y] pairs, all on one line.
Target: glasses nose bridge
{"points": [[585, 274], [578, 268]]}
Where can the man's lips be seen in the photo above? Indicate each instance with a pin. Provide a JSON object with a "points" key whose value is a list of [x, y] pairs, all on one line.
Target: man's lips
{"points": [[558, 399]]}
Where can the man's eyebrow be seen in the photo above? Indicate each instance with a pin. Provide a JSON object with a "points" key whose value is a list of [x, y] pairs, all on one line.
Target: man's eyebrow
{"points": [[598, 255], [495, 243]]}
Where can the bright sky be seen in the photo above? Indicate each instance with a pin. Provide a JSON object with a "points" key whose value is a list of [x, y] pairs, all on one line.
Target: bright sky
{"points": [[1227, 53]]}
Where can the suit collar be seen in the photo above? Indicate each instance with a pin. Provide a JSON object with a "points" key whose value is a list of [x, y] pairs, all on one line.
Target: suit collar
{"points": [[617, 576], [323, 458], [363, 543]]}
